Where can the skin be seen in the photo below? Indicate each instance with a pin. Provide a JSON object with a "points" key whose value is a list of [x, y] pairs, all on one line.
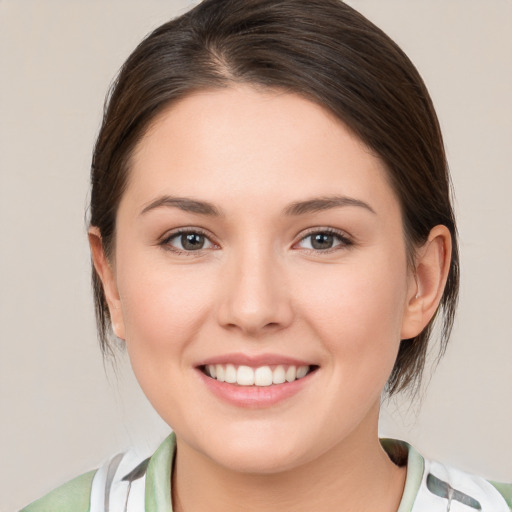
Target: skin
{"points": [[259, 287]]}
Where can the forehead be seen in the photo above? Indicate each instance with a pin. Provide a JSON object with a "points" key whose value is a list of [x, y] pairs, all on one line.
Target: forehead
{"points": [[241, 142]]}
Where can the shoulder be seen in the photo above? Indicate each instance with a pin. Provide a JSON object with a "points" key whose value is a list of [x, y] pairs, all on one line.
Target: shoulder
{"points": [[505, 490], [444, 483], [99, 490], [434, 486], [74, 495], [125, 480]]}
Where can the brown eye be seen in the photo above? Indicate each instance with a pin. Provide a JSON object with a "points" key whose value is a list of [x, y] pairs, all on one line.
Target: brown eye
{"points": [[323, 241], [188, 241], [192, 241]]}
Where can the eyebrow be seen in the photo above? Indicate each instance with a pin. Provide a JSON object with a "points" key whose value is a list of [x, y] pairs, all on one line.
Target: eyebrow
{"points": [[185, 204], [324, 203], [294, 209]]}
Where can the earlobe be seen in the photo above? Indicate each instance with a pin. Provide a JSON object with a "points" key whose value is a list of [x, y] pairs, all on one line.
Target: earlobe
{"points": [[426, 287], [106, 274]]}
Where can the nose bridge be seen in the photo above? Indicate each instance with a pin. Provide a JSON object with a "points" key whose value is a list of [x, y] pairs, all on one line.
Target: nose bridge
{"points": [[255, 294]]}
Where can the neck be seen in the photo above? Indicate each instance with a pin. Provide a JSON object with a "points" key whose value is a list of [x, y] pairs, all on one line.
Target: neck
{"points": [[337, 480]]}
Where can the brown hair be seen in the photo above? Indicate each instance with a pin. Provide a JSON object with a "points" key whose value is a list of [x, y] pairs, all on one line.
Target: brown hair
{"points": [[321, 49]]}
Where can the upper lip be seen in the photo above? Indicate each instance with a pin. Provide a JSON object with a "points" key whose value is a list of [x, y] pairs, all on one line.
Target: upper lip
{"points": [[255, 361]]}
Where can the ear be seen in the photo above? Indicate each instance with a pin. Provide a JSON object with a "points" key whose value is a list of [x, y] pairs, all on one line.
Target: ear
{"points": [[426, 284], [107, 276]]}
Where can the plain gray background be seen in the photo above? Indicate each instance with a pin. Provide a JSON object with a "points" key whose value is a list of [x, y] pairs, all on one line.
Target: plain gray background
{"points": [[61, 413]]}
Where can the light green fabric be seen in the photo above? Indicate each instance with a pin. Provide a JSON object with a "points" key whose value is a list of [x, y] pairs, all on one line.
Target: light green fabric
{"points": [[158, 477], [73, 496], [415, 468], [505, 490]]}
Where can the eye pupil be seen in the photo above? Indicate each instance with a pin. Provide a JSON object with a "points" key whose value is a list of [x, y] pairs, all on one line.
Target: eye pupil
{"points": [[192, 241], [322, 241]]}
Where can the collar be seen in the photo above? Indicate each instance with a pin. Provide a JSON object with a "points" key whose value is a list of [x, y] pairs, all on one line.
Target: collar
{"points": [[158, 475]]}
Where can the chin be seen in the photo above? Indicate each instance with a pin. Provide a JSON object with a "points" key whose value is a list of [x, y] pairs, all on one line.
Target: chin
{"points": [[258, 453], [259, 461]]}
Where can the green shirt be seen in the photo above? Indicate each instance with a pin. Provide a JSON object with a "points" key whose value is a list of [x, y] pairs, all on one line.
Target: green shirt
{"points": [[146, 486]]}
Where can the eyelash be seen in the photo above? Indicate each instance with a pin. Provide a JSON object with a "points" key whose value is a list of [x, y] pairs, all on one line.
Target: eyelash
{"points": [[166, 242], [342, 237], [344, 241]]}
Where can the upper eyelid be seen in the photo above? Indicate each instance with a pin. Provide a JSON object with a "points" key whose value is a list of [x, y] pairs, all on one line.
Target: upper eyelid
{"points": [[332, 231], [298, 238], [164, 242], [345, 239], [169, 235]]}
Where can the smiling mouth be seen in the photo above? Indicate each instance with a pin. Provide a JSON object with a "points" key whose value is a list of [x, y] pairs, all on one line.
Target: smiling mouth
{"points": [[261, 376]]}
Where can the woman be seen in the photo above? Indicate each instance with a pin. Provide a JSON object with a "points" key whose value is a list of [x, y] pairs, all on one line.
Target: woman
{"points": [[272, 238]]}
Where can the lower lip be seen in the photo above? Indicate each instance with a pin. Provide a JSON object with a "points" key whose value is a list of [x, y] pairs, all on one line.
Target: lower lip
{"points": [[255, 396]]}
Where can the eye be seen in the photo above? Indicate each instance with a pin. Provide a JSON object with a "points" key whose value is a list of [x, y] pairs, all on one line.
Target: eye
{"points": [[324, 240], [187, 241]]}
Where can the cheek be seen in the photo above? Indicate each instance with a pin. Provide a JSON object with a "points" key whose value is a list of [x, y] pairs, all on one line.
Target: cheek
{"points": [[357, 311], [163, 306], [164, 310]]}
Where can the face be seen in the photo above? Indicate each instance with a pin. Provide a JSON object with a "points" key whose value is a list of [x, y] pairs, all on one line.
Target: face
{"points": [[258, 242]]}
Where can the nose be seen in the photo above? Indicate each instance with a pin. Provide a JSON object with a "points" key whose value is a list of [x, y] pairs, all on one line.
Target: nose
{"points": [[255, 296]]}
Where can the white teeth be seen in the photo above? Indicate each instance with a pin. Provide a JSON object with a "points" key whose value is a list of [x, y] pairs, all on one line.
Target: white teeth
{"points": [[245, 376], [230, 374], [219, 372], [302, 371], [261, 376], [278, 375], [291, 374]]}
